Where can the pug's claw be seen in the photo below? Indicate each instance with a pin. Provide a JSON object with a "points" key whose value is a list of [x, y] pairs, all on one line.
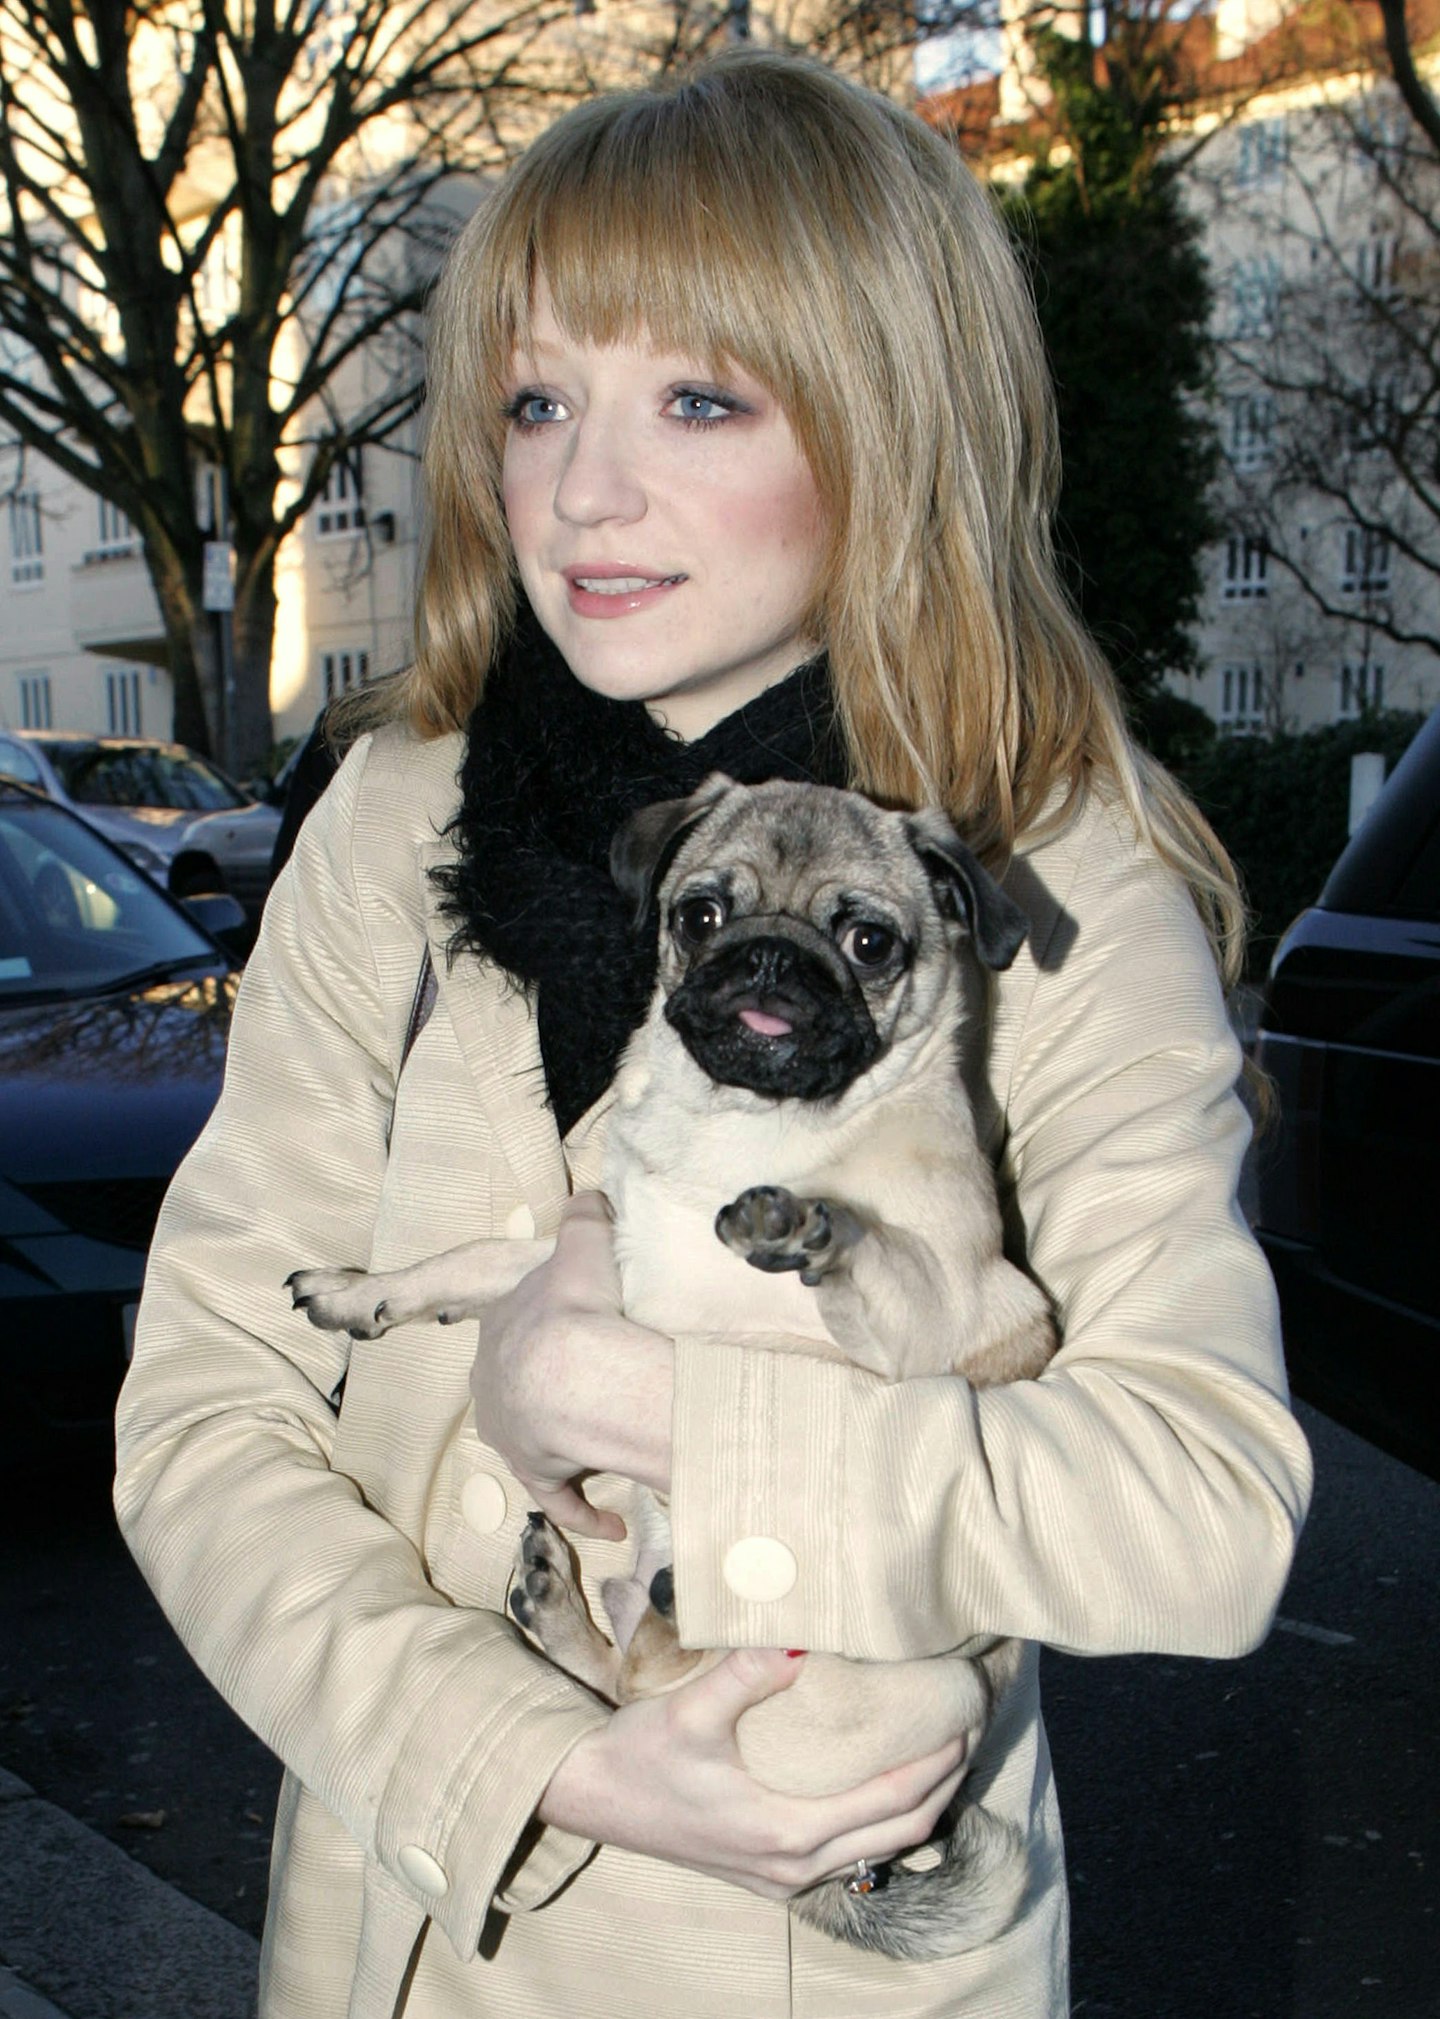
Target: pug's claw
{"points": [[338, 1300]]}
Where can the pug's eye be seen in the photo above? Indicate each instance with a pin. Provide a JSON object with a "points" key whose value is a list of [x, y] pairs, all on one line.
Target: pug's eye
{"points": [[696, 918], [868, 945]]}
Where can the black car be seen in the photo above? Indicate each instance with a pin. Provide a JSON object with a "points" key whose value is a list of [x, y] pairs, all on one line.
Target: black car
{"points": [[1349, 1194], [114, 1013]]}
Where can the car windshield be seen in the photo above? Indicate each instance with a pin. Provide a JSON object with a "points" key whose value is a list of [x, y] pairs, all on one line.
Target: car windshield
{"points": [[138, 774], [75, 918]]}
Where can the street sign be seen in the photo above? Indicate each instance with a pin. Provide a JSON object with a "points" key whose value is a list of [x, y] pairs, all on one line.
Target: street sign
{"points": [[218, 589]]}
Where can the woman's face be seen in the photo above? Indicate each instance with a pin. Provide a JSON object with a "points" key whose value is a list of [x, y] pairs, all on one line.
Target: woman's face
{"points": [[667, 528]]}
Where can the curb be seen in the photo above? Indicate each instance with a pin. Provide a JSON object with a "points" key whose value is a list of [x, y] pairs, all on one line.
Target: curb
{"points": [[88, 1933]]}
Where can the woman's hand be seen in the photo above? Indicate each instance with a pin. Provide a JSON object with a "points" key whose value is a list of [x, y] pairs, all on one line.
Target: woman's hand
{"points": [[664, 1776], [563, 1383]]}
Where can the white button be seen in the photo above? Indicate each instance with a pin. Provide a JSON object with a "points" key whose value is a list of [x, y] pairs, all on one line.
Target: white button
{"points": [[760, 1567], [423, 1871], [483, 1503], [520, 1226]]}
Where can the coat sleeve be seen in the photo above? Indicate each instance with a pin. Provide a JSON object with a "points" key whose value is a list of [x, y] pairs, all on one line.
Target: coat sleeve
{"points": [[1146, 1492], [428, 1729]]}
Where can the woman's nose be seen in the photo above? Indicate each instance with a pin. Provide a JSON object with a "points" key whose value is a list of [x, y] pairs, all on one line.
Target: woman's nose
{"points": [[600, 478]]}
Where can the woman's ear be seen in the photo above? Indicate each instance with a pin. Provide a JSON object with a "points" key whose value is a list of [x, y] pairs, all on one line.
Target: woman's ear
{"points": [[644, 847], [966, 890]]}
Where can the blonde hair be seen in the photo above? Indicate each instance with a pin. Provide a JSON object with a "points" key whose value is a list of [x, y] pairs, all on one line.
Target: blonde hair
{"points": [[766, 212]]}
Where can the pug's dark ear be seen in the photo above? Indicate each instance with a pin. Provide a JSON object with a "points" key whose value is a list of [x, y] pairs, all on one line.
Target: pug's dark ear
{"points": [[644, 847], [967, 891]]}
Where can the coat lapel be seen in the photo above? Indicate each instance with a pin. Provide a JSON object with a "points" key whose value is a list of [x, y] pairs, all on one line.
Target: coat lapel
{"points": [[496, 1034]]}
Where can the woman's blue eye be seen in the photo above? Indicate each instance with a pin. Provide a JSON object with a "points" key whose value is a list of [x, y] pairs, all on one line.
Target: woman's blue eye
{"points": [[702, 407], [533, 410]]}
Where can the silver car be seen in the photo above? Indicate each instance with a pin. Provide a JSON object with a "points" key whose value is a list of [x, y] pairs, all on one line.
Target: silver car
{"points": [[176, 816]]}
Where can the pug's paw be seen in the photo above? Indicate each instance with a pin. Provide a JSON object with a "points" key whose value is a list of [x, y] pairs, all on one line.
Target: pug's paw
{"points": [[547, 1601], [340, 1300], [773, 1230]]}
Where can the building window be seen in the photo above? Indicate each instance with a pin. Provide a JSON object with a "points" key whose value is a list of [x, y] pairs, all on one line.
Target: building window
{"points": [[217, 280], [1247, 569], [1365, 568], [35, 701], [1377, 265], [27, 543], [117, 535], [1362, 688], [1252, 423], [1264, 150], [343, 669], [122, 700], [1255, 297], [1242, 699], [340, 508]]}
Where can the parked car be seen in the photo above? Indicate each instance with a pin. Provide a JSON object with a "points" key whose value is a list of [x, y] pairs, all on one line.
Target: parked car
{"points": [[173, 812], [114, 1012], [1349, 1193]]}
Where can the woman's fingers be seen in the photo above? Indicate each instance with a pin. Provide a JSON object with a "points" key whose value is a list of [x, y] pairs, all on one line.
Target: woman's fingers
{"points": [[712, 1705], [878, 1819], [568, 1508], [878, 1842], [584, 1257], [898, 1791]]}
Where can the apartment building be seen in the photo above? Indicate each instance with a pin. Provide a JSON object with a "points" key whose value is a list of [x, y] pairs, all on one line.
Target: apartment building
{"points": [[1320, 205], [81, 641]]}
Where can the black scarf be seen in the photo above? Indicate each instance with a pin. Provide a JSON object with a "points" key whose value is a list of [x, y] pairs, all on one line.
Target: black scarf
{"points": [[551, 770]]}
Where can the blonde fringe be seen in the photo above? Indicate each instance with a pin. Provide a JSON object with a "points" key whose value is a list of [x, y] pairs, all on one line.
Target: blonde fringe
{"points": [[767, 213]]}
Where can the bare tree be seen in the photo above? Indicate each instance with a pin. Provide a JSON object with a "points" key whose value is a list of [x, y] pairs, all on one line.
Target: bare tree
{"points": [[1331, 343], [213, 208]]}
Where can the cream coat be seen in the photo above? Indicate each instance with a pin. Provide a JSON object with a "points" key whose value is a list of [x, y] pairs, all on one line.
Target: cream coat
{"points": [[342, 1579]]}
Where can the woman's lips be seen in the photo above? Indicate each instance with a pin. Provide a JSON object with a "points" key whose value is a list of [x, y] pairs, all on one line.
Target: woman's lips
{"points": [[615, 590]]}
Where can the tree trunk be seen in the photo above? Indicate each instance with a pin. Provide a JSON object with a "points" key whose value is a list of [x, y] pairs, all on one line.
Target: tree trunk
{"points": [[193, 653], [250, 735]]}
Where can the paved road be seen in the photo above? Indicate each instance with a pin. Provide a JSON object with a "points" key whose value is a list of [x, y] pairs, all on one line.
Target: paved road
{"points": [[1249, 1840]]}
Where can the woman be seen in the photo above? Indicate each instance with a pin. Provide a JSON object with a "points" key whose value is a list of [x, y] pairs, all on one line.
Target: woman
{"points": [[739, 379]]}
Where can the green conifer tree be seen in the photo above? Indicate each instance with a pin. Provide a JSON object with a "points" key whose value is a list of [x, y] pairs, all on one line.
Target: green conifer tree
{"points": [[1123, 297]]}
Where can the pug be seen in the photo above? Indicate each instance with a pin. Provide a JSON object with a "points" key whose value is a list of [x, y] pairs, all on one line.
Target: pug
{"points": [[792, 1163]]}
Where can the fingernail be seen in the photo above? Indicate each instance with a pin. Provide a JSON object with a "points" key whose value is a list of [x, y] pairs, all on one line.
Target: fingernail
{"points": [[796, 1652]]}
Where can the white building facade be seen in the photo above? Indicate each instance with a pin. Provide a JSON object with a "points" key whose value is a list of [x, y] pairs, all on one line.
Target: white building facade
{"points": [[1321, 207]]}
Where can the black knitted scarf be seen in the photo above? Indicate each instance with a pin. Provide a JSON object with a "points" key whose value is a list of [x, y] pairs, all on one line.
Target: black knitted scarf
{"points": [[551, 770]]}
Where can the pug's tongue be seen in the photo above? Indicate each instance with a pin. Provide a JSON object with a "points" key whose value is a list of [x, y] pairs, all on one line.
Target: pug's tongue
{"points": [[767, 1026]]}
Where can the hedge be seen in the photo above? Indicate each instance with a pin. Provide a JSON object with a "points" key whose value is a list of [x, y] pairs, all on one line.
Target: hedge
{"points": [[1281, 805]]}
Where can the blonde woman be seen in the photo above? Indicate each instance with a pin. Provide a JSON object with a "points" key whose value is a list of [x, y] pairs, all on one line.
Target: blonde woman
{"points": [[740, 456]]}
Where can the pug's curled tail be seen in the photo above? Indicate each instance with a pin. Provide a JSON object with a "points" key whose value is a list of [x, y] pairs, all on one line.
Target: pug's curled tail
{"points": [[925, 1913]]}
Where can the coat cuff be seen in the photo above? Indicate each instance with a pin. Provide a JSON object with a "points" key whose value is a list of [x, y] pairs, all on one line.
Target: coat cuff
{"points": [[759, 1557], [460, 1835]]}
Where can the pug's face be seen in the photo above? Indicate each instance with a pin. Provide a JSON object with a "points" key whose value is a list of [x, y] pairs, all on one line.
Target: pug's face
{"points": [[806, 934]]}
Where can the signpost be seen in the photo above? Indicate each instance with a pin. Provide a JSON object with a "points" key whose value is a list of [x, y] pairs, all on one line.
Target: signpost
{"points": [[218, 596]]}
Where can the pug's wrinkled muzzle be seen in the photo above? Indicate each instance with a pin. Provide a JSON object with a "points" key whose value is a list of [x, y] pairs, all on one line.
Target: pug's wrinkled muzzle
{"points": [[765, 1010]]}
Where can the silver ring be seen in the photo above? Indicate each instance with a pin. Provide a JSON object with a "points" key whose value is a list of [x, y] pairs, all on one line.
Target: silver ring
{"points": [[863, 1879]]}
